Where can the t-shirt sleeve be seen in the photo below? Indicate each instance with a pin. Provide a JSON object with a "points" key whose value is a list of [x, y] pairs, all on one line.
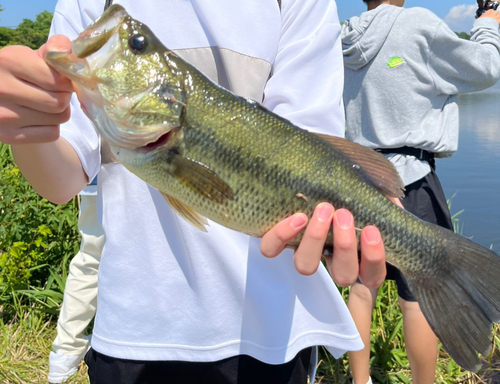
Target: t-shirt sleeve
{"points": [[78, 131], [308, 77], [458, 65]]}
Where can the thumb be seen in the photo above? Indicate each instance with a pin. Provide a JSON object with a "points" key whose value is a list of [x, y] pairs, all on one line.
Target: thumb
{"points": [[57, 43]]}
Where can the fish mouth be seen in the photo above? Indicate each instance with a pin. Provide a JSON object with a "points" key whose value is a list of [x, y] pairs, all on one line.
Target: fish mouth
{"points": [[161, 141], [101, 36], [98, 34]]}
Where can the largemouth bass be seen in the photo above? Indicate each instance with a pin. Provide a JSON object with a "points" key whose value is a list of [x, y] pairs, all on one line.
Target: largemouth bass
{"points": [[215, 155]]}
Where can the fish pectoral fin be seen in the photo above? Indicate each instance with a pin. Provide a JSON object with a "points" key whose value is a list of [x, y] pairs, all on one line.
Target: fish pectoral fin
{"points": [[191, 216], [201, 179], [373, 165]]}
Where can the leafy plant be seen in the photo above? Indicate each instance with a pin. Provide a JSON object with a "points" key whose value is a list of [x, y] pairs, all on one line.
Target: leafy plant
{"points": [[37, 238], [34, 33], [6, 36], [31, 33], [457, 226]]}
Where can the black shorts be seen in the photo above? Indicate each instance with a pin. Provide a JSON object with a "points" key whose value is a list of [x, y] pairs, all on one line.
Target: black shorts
{"points": [[425, 199], [238, 369]]}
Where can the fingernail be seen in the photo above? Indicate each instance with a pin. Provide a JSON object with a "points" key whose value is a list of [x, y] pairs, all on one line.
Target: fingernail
{"points": [[344, 218], [372, 235], [298, 221], [325, 212]]}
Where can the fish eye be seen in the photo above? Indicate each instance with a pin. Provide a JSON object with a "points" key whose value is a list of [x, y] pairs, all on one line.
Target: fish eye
{"points": [[138, 43]]}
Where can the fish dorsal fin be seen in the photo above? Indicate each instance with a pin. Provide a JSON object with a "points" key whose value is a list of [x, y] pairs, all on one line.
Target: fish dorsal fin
{"points": [[192, 217], [201, 179], [374, 166]]}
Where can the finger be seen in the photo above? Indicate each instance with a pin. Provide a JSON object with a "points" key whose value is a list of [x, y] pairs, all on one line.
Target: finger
{"points": [[309, 253], [372, 269], [28, 81], [344, 267], [275, 241], [20, 92], [15, 116], [31, 135], [28, 65], [56, 43]]}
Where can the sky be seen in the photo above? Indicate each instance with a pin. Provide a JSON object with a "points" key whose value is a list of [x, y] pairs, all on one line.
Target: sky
{"points": [[459, 14]]}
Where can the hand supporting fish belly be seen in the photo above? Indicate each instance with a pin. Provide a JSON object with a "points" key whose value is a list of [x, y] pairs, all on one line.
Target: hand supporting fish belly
{"points": [[218, 156]]}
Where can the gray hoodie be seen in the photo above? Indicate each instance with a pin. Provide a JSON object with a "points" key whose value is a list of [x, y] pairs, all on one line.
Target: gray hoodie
{"points": [[403, 71]]}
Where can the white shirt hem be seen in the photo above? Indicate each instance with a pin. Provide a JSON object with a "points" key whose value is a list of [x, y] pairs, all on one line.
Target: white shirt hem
{"points": [[337, 345]]}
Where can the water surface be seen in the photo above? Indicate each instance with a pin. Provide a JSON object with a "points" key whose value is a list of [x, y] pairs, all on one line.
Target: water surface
{"points": [[473, 173]]}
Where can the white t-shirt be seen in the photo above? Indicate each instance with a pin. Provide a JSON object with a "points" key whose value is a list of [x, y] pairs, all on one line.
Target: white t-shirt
{"points": [[170, 292]]}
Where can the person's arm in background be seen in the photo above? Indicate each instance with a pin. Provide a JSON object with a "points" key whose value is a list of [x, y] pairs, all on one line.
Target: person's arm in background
{"points": [[458, 65], [306, 87], [34, 101]]}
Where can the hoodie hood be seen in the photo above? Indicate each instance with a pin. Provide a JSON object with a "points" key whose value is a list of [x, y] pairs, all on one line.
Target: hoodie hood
{"points": [[364, 36]]}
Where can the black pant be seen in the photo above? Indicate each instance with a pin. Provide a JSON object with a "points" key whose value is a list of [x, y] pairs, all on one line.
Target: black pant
{"points": [[234, 370]]}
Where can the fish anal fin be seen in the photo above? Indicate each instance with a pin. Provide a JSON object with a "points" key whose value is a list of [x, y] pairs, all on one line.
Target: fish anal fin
{"points": [[191, 216], [374, 166], [201, 179]]}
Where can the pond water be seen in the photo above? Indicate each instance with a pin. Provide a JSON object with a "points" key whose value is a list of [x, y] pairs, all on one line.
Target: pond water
{"points": [[472, 175]]}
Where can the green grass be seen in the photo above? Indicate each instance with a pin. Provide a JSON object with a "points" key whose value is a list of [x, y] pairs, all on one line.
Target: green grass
{"points": [[25, 344], [26, 341]]}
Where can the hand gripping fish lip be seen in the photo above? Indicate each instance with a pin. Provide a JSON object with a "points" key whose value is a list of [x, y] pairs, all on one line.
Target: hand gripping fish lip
{"points": [[100, 51]]}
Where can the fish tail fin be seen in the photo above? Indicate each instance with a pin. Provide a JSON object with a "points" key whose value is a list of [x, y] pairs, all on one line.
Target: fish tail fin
{"points": [[461, 300]]}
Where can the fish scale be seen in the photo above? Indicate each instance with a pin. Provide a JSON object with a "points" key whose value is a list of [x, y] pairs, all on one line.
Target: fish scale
{"points": [[215, 155], [301, 163]]}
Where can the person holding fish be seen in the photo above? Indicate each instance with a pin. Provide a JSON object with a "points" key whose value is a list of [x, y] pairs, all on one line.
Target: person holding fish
{"points": [[404, 69], [176, 303]]}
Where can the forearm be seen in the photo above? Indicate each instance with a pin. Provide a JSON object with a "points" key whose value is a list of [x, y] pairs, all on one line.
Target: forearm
{"points": [[53, 169], [485, 32]]}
